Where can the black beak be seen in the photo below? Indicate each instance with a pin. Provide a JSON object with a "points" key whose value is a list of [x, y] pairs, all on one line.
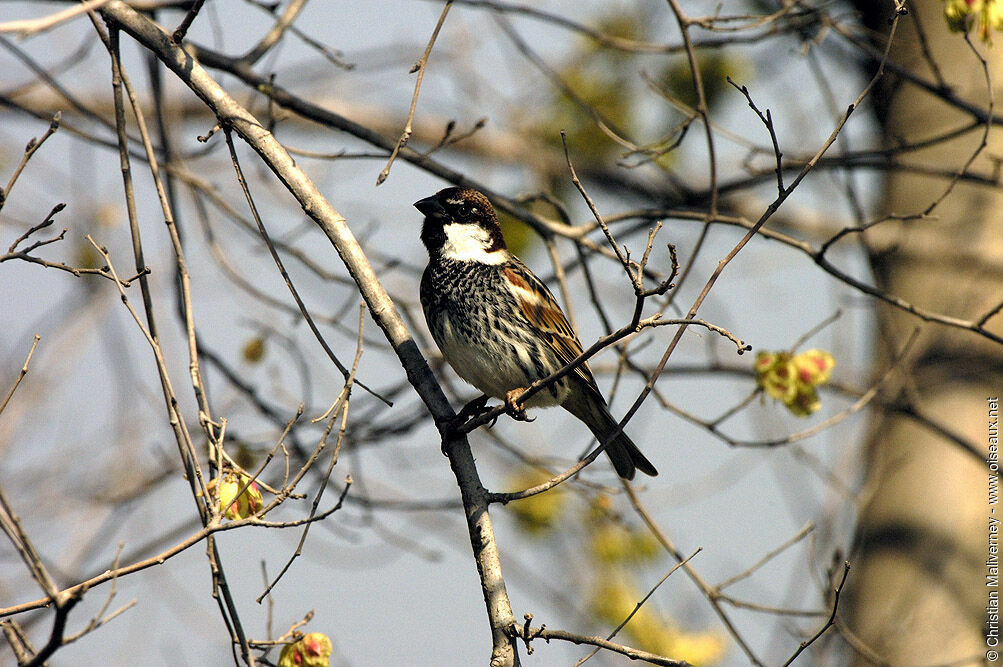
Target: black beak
{"points": [[430, 206]]}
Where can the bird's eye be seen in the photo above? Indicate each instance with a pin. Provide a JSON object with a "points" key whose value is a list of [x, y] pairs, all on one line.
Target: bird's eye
{"points": [[461, 208]]}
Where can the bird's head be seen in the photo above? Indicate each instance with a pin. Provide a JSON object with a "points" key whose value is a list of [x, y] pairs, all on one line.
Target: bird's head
{"points": [[461, 225]]}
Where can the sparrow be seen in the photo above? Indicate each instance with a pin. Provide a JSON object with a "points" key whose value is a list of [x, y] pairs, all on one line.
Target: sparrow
{"points": [[499, 327]]}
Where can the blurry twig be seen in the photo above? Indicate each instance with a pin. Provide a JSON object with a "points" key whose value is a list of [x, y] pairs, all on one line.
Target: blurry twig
{"points": [[29, 27]]}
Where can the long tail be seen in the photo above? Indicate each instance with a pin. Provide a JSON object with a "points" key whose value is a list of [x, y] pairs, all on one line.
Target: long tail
{"points": [[622, 451]]}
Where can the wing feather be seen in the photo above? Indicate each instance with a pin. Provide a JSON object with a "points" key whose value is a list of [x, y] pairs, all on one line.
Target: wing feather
{"points": [[546, 318]]}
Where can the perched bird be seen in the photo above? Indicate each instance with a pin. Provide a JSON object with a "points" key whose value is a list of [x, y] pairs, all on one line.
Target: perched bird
{"points": [[499, 326]]}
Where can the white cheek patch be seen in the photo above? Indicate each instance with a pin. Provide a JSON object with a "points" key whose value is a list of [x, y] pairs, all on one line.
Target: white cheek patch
{"points": [[469, 243]]}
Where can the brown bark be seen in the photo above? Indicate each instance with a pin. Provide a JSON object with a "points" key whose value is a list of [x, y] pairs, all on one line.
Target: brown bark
{"points": [[918, 590]]}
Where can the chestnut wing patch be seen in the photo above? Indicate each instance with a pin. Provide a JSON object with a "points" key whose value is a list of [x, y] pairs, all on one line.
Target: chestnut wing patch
{"points": [[546, 318]]}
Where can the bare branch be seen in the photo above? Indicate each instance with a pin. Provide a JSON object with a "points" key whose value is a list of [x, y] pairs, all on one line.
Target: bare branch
{"points": [[418, 67]]}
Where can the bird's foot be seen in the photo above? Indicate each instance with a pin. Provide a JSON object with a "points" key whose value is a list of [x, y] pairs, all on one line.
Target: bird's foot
{"points": [[469, 411], [474, 408], [514, 407]]}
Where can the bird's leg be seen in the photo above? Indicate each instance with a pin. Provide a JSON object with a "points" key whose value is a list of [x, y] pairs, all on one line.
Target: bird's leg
{"points": [[514, 407]]}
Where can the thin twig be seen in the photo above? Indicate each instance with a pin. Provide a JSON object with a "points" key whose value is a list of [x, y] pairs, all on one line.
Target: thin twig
{"points": [[12, 528], [620, 255], [832, 617], [285, 274], [708, 591], [28, 27], [283, 23], [529, 633], [344, 405], [186, 22], [186, 447], [640, 603], [773, 553], [20, 376], [418, 67], [29, 151]]}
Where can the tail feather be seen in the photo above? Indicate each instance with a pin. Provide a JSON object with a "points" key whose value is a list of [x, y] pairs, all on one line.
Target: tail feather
{"points": [[626, 457]]}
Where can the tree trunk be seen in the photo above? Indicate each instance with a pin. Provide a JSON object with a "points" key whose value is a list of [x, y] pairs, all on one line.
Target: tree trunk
{"points": [[918, 590]]}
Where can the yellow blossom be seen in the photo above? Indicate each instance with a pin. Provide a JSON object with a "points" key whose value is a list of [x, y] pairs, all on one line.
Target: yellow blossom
{"points": [[250, 502], [312, 650], [793, 379]]}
